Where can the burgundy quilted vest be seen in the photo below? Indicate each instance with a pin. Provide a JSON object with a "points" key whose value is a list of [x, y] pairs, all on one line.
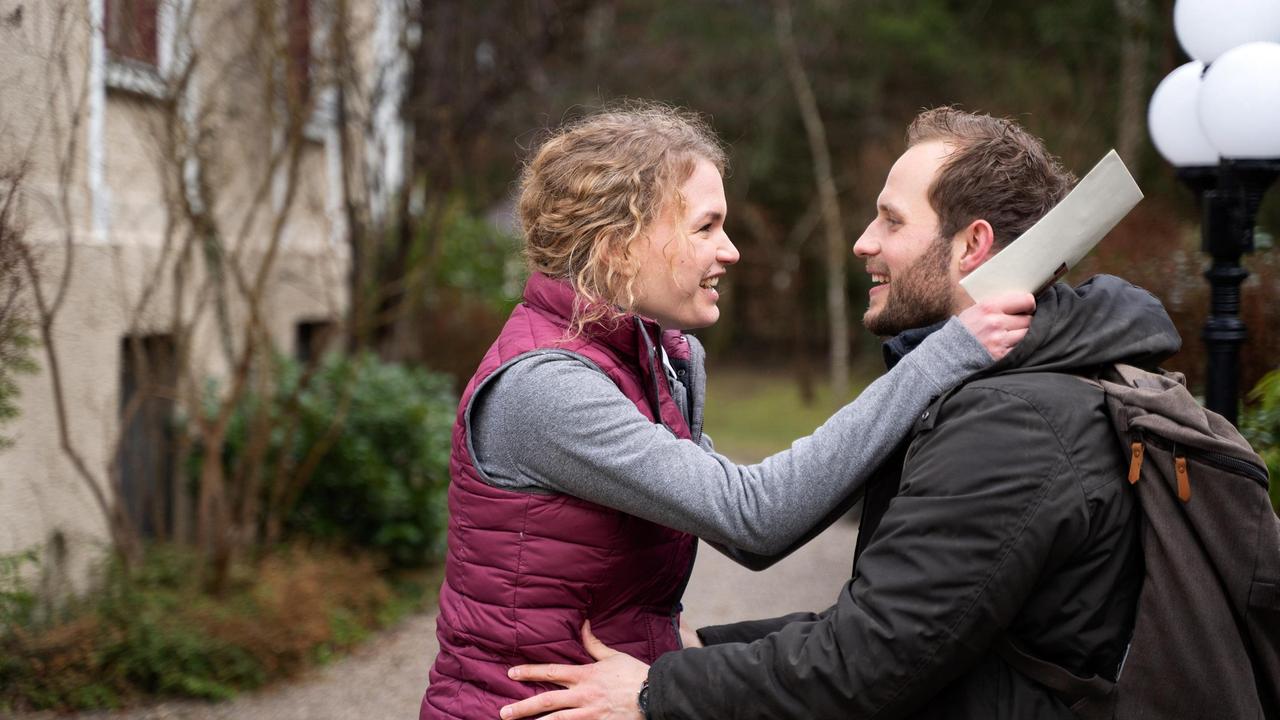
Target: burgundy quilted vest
{"points": [[524, 570]]}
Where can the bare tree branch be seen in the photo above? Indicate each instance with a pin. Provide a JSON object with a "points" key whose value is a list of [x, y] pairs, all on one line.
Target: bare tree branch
{"points": [[837, 246]]}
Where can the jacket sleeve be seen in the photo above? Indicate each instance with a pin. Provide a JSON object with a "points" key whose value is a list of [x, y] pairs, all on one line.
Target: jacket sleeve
{"points": [[981, 505], [763, 561], [750, 630]]}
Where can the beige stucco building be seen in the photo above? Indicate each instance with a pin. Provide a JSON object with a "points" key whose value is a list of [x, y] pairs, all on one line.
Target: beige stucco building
{"points": [[155, 135]]}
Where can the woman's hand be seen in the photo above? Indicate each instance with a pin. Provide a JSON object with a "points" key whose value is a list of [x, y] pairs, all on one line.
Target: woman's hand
{"points": [[688, 634], [1000, 322]]}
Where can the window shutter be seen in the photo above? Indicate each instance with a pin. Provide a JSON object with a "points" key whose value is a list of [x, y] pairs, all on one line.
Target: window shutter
{"points": [[132, 29]]}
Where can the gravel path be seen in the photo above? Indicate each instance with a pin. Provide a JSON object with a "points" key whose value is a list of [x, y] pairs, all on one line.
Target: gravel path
{"points": [[385, 678]]}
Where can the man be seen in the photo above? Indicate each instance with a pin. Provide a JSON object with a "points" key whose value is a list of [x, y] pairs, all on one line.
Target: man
{"points": [[1004, 524]]}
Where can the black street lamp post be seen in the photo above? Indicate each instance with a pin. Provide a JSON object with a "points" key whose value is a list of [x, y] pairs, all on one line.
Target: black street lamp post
{"points": [[1217, 119], [1230, 210]]}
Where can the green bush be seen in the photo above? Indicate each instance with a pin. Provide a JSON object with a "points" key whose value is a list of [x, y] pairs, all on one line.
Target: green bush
{"points": [[381, 484], [480, 260], [16, 346], [17, 601], [157, 641], [1261, 426]]}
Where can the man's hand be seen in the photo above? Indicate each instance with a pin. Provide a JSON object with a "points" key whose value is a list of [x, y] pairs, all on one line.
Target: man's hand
{"points": [[1000, 322], [605, 690]]}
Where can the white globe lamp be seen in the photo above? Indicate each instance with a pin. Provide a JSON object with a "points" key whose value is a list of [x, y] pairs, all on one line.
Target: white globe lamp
{"points": [[1239, 102], [1209, 28], [1174, 122]]}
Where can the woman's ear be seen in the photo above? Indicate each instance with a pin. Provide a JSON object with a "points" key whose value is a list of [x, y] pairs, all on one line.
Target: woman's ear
{"points": [[978, 245]]}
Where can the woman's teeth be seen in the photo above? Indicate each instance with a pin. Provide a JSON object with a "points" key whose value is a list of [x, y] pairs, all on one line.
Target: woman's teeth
{"points": [[709, 283]]}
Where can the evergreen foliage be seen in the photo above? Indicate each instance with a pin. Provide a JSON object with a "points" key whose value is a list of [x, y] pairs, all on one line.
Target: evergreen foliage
{"points": [[1261, 426], [16, 345], [380, 486], [16, 342]]}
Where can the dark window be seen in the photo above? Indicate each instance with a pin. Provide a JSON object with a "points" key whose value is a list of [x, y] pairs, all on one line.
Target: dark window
{"points": [[313, 338], [147, 377], [298, 73], [131, 29]]}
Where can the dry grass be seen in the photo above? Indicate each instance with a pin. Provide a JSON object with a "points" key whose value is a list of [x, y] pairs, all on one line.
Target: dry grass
{"points": [[158, 635]]}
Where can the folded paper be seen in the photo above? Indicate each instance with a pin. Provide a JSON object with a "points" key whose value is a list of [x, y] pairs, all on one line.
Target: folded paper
{"points": [[1063, 236]]}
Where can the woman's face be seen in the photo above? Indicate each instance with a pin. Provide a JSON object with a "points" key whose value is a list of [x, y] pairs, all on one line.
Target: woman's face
{"points": [[684, 255]]}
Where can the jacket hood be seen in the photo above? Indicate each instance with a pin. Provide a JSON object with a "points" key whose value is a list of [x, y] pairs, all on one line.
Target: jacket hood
{"points": [[1103, 320]]}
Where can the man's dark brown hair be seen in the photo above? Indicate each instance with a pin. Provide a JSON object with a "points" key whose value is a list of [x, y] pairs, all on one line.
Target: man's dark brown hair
{"points": [[998, 172]]}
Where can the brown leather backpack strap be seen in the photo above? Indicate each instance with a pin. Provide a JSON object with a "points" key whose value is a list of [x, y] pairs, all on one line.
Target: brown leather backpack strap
{"points": [[1071, 688]]}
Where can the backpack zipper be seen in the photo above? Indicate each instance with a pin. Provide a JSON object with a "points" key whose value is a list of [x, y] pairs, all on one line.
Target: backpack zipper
{"points": [[1227, 462], [1136, 450], [1180, 473], [1221, 461]]}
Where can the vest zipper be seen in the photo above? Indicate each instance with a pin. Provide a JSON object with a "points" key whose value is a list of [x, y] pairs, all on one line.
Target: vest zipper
{"points": [[656, 397], [679, 606], [654, 373]]}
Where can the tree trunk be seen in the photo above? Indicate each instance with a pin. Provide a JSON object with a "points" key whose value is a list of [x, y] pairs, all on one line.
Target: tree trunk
{"points": [[837, 312], [1131, 111]]}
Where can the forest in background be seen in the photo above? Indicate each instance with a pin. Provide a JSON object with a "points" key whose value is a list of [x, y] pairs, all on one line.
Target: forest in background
{"points": [[1078, 74]]}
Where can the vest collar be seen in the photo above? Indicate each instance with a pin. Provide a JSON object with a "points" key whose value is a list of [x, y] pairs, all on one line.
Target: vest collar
{"points": [[630, 335]]}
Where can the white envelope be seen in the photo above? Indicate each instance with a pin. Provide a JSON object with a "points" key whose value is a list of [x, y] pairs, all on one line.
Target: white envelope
{"points": [[1063, 236]]}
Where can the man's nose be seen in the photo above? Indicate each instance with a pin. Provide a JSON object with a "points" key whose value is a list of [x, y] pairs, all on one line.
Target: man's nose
{"points": [[865, 244]]}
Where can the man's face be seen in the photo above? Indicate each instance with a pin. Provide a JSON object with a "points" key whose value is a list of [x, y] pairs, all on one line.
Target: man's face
{"points": [[914, 279]]}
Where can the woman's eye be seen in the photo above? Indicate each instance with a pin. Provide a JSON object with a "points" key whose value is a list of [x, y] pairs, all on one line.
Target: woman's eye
{"points": [[705, 228]]}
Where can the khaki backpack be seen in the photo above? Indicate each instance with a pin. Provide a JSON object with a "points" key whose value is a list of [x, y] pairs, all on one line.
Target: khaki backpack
{"points": [[1206, 639]]}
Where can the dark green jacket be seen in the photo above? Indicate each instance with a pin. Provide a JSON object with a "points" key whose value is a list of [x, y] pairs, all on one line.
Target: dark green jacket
{"points": [[1008, 513]]}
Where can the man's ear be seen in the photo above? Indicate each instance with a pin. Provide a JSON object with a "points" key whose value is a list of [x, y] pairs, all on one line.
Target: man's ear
{"points": [[978, 244]]}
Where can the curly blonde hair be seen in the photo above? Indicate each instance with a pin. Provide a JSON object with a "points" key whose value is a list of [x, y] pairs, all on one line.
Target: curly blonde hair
{"points": [[595, 187]]}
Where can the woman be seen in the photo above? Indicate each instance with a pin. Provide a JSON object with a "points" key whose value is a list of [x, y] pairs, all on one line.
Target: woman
{"points": [[580, 473]]}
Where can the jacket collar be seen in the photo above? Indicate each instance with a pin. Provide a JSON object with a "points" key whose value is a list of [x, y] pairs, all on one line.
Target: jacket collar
{"points": [[1103, 320], [897, 347]]}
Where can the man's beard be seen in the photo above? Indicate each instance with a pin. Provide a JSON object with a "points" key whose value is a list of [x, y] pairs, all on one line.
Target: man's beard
{"points": [[918, 296]]}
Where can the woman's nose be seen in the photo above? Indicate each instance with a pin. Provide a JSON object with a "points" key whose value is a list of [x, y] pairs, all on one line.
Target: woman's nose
{"points": [[727, 254]]}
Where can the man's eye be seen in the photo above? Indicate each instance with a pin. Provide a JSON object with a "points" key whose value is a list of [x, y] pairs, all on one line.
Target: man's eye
{"points": [[705, 228]]}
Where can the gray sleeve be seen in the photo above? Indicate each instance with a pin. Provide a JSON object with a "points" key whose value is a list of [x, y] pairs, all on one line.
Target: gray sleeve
{"points": [[553, 422]]}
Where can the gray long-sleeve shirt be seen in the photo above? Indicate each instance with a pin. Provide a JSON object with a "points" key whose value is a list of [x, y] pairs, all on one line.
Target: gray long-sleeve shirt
{"points": [[551, 422]]}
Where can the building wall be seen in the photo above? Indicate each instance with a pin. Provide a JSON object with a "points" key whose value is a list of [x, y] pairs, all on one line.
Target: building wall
{"points": [[45, 117]]}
